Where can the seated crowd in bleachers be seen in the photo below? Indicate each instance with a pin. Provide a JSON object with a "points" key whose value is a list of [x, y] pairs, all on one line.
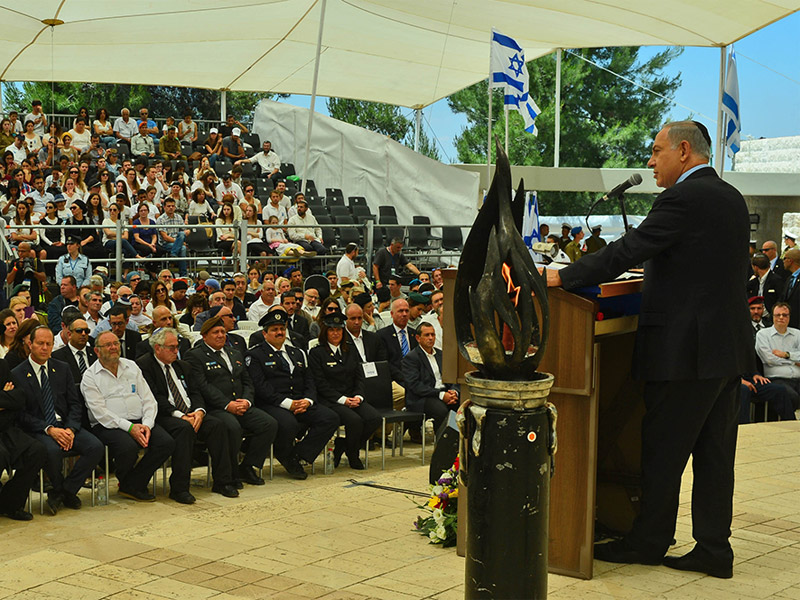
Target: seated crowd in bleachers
{"points": [[160, 364]]}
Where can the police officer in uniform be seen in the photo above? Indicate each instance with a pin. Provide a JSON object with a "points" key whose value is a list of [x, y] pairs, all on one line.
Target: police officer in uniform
{"points": [[228, 393], [284, 389]]}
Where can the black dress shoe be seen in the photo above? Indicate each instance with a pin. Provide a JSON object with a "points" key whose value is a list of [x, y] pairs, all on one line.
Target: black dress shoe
{"points": [[338, 450], [620, 552], [237, 483], [295, 469], [248, 475], [19, 515], [692, 561], [138, 495], [229, 491], [182, 497], [54, 502], [355, 463], [71, 501]]}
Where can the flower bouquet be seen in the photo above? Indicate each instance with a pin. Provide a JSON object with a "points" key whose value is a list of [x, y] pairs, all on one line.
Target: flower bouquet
{"points": [[442, 525]]}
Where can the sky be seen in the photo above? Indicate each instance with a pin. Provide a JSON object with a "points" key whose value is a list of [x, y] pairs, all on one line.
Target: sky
{"points": [[769, 103]]}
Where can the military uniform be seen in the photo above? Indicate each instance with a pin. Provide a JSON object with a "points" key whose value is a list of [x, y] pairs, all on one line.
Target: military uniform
{"points": [[219, 386]]}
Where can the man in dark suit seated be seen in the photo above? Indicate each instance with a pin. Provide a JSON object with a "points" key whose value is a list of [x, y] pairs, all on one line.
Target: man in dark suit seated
{"points": [[285, 389], [20, 454], [764, 282], [182, 413], [422, 370], [163, 318], [369, 346], [296, 324], [129, 339], [122, 411], [52, 415], [398, 340], [234, 340], [228, 392], [77, 354], [791, 290]]}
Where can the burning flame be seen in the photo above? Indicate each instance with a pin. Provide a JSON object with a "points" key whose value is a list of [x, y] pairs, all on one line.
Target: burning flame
{"points": [[512, 289]]}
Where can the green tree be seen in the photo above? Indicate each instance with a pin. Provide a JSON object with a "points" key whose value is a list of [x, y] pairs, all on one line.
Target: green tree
{"points": [[606, 121], [381, 118]]}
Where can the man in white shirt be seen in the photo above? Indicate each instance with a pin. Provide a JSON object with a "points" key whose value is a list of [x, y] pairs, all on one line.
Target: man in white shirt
{"points": [[274, 209], [304, 229], [38, 117], [229, 187], [346, 269], [125, 127], [122, 412], [778, 347], [267, 160], [311, 303], [18, 149], [267, 300], [142, 144]]}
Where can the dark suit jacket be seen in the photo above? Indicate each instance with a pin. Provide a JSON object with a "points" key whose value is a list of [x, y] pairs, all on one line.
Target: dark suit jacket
{"points": [[419, 378], [64, 354], [334, 377], [217, 384], [394, 354], [154, 375], [68, 404], [693, 322], [779, 270], [793, 298], [773, 287], [11, 402], [144, 347], [373, 346], [272, 379]]}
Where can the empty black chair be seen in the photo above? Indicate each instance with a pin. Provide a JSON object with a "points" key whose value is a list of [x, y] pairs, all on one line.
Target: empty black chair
{"points": [[360, 210], [417, 238], [323, 219], [452, 239], [336, 192], [328, 237], [287, 169], [349, 235], [334, 201], [394, 233], [388, 219], [247, 170], [253, 140], [311, 188], [387, 210], [362, 218], [357, 201], [336, 210]]}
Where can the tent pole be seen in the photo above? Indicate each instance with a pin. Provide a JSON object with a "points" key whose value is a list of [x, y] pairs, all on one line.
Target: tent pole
{"points": [[417, 125], [489, 139], [223, 106], [557, 143], [720, 118], [306, 168], [1, 97]]}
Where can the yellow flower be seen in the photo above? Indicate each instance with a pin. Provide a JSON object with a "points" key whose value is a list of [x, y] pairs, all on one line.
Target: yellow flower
{"points": [[433, 502], [454, 493]]}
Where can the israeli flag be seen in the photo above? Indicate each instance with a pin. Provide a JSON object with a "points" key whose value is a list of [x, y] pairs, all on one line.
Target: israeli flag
{"points": [[730, 107], [508, 71], [530, 220]]}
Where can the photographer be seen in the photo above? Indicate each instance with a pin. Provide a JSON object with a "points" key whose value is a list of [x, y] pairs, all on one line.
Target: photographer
{"points": [[28, 268]]}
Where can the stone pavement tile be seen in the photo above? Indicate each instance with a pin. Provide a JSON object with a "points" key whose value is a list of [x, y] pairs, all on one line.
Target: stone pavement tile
{"points": [[184, 529], [278, 583], [40, 567], [360, 563], [247, 575], [6, 593], [107, 579], [136, 595], [54, 590], [188, 561], [792, 593], [221, 584], [102, 548], [761, 571], [204, 549], [309, 552], [371, 592], [792, 535], [161, 554], [743, 584], [410, 586], [250, 591], [342, 595], [456, 593], [322, 576], [765, 529], [163, 569], [193, 576], [218, 568], [266, 565], [169, 588], [341, 540], [134, 562], [310, 590], [670, 578], [287, 557], [241, 515]]}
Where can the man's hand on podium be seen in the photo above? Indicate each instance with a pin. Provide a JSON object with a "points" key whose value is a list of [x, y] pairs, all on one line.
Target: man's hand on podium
{"points": [[553, 277]]}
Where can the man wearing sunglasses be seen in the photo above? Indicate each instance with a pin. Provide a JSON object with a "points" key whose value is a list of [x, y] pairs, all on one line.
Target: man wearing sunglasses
{"points": [[77, 353]]}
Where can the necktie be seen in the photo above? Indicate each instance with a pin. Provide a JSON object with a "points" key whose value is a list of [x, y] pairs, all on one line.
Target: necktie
{"points": [[122, 347], [81, 362], [403, 342], [176, 394], [47, 398]]}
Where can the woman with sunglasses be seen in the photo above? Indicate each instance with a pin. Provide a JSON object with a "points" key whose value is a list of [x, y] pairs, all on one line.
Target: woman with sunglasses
{"points": [[110, 235], [329, 306], [74, 174], [73, 262], [159, 296], [107, 189]]}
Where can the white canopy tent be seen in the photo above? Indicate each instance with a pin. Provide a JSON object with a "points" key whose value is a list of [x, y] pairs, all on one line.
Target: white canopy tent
{"points": [[408, 53]]}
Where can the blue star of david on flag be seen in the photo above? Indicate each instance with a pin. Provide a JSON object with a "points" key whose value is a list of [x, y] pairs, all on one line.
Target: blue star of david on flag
{"points": [[508, 72]]}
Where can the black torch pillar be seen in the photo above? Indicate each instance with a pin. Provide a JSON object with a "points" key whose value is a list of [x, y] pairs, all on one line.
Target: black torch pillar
{"points": [[509, 443]]}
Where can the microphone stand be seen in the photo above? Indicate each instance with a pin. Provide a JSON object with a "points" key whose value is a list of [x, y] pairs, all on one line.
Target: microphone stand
{"points": [[621, 208]]}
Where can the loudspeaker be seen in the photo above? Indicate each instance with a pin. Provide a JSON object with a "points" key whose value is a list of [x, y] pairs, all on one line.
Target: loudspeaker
{"points": [[446, 450]]}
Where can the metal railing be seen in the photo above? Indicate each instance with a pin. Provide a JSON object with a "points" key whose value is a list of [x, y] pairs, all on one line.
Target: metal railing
{"points": [[66, 121]]}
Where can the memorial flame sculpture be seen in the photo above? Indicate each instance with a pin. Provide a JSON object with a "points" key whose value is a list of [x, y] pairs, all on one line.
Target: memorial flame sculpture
{"points": [[498, 328]]}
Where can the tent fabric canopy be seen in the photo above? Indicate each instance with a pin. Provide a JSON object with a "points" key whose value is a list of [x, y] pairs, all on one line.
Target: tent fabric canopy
{"points": [[408, 53]]}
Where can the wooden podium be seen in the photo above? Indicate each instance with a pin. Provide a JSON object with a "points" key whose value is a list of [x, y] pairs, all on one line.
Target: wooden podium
{"points": [[597, 465]]}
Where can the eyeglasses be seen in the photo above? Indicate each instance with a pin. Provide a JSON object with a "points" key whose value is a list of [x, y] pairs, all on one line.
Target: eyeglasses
{"points": [[172, 347], [332, 309], [82, 330], [109, 345], [135, 279], [780, 315]]}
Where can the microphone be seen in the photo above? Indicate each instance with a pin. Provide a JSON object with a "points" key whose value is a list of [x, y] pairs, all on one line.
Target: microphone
{"points": [[633, 180]]}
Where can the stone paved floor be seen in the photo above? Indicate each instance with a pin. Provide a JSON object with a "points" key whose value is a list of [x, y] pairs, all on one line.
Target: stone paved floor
{"points": [[325, 538]]}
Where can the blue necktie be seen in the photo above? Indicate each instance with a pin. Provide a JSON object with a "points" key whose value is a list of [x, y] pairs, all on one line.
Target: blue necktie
{"points": [[47, 398], [403, 342]]}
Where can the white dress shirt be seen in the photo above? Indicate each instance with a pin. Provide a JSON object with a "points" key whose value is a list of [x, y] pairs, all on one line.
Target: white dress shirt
{"points": [[768, 340], [439, 385], [116, 401]]}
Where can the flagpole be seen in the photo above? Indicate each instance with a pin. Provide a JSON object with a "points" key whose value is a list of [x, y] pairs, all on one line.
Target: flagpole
{"points": [[307, 168], [557, 144], [505, 113], [720, 158], [489, 124]]}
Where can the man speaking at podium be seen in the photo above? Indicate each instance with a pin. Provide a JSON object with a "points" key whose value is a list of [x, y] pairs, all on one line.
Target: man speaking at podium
{"points": [[692, 345]]}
